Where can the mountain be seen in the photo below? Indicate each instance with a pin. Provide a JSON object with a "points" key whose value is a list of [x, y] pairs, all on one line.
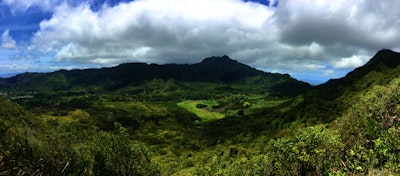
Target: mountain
{"points": [[329, 100], [384, 61], [379, 70], [220, 70]]}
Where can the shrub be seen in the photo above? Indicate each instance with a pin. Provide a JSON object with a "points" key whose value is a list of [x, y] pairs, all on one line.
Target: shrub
{"points": [[201, 105], [312, 150]]}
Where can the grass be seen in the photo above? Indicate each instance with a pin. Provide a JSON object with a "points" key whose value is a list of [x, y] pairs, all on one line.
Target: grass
{"points": [[204, 114]]}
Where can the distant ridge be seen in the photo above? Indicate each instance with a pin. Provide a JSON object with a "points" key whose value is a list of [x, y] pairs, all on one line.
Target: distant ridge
{"points": [[220, 70]]}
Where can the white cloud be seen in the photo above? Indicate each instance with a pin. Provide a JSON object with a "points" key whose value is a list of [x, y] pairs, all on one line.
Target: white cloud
{"points": [[295, 36], [329, 72], [106, 57], [7, 42], [23, 5], [350, 62], [171, 29]]}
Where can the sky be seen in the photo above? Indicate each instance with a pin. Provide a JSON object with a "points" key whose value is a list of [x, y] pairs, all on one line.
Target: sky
{"points": [[312, 40]]}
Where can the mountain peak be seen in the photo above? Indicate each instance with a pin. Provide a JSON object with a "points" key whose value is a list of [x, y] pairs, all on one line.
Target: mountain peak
{"points": [[386, 57], [384, 51], [218, 59]]}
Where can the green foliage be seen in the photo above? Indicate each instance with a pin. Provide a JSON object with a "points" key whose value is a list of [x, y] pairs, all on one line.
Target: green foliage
{"points": [[373, 130], [68, 148], [119, 155], [312, 150]]}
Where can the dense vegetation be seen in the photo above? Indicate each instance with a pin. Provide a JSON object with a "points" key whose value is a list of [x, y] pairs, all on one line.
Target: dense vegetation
{"points": [[230, 120]]}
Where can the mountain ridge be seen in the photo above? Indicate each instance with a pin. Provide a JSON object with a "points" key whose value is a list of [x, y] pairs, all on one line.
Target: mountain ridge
{"points": [[383, 58], [336, 94], [221, 70]]}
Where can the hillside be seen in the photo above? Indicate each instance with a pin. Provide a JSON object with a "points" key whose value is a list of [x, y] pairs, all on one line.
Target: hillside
{"points": [[331, 99], [380, 69]]}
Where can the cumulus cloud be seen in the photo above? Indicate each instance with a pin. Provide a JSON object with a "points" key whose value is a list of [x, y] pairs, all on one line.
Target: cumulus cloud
{"points": [[295, 36], [350, 62], [152, 30], [7, 42], [363, 24]]}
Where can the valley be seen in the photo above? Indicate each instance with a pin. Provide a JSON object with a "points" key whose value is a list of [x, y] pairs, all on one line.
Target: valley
{"points": [[217, 117]]}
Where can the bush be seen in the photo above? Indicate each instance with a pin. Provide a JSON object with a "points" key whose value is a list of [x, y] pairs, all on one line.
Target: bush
{"points": [[312, 150], [372, 131], [121, 156], [200, 105]]}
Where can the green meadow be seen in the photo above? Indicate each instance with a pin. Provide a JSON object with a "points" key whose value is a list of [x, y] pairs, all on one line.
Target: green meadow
{"points": [[205, 113]]}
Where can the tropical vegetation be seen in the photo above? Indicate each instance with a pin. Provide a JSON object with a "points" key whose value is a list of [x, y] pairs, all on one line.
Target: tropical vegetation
{"points": [[202, 119]]}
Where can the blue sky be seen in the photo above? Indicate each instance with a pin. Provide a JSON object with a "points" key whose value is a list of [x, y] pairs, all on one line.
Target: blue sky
{"points": [[312, 40]]}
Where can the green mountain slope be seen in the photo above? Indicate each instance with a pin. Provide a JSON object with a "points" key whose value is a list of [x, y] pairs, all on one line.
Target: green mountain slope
{"points": [[328, 101], [378, 70], [361, 130]]}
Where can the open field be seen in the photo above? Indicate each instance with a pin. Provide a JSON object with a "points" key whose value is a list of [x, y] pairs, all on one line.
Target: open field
{"points": [[203, 113]]}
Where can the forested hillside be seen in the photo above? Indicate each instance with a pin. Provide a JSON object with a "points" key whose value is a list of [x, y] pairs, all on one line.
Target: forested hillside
{"points": [[217, 117], [219, 70]]}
